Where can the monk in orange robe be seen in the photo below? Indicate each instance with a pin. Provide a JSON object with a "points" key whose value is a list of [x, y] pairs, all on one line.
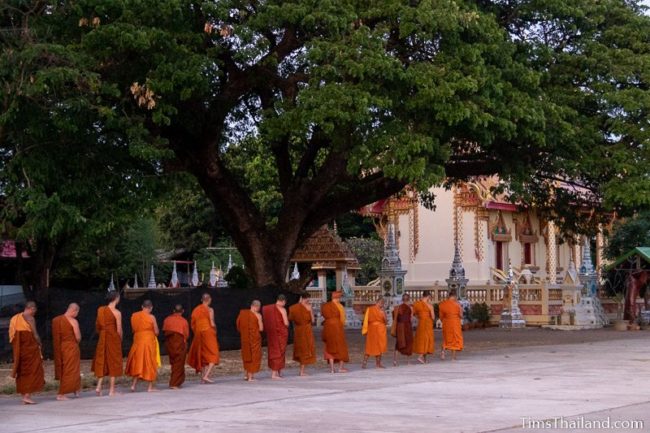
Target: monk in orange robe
{"points": [[276, 325], [374, 328], [451, 315], [108, 354], [403, 329], [28, 360], [66, 336], [176, 331], [204, 351], [144, 356], [249, 325], [302, 317], [423, 341], [336, 348]]}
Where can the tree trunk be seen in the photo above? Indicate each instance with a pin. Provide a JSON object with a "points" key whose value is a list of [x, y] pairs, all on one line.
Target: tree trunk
{"points": [[34, 271]]}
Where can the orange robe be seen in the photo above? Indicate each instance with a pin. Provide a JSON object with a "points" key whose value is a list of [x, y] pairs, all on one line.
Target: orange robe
{"points": [[67, 357], [375, 327], [143, 356], [451, 314], [177, 331], [251, 340], [28, 361], [403, 330], [336, 347], [277, 336], [304, 350], [108, 354], [205, 347], [423, 341]]}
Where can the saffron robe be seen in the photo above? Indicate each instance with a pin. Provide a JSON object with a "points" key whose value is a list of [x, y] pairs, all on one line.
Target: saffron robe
{"points": [[143, 360], [251, 341], [108, 354], [176, 331], [336, 347], [423, 341], [28, 361], [205, 346], [374, 328], [67, 357], [451, 314], [403, 329], [304, 350], [276, 336]]}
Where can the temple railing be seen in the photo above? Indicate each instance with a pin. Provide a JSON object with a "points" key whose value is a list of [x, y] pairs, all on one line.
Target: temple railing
{"points": [[539, 303]]}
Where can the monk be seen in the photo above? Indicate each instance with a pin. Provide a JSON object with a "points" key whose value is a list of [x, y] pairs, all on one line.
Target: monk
{"points": [[176, 331], [144, 356], [374, 328], [249, 325], [302, 317], [108, 354], [204, 351], [276, 325], [66, 336], [28, 360], [336, 348], [403, 329], [423, 341], [451, 315]]}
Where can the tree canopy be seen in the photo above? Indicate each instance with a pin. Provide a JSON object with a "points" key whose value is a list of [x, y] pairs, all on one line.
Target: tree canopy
{"points": [[290, 113]]}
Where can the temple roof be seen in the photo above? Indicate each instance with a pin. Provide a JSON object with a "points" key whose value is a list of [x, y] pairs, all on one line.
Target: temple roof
{"points": [[325, 246]]}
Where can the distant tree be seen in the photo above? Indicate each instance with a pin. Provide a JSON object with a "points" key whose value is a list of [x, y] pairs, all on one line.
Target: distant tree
{"points": [[369, 253], [627, 234]]}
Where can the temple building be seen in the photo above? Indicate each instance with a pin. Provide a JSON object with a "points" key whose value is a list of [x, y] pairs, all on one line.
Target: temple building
{"points": [[489, 231], [487, 238]]}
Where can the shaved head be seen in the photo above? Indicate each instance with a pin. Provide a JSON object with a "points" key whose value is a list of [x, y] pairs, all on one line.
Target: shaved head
{"points": [[30, 304], [178, 308], [73, 310], [147, 304], [256, 303], [206, 297]]}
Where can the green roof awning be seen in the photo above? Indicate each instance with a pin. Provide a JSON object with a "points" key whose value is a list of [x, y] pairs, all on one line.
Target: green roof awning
{"points": [[642, 252]]}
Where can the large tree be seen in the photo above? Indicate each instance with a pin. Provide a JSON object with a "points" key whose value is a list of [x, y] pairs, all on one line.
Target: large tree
{"points": [[290, 113]]}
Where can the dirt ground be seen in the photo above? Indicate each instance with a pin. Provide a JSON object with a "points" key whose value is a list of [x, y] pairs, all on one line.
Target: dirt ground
{"points": [[476, 341]]}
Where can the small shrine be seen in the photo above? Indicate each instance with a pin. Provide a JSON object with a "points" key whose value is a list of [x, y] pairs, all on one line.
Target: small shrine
{"points": [[326, 252]]}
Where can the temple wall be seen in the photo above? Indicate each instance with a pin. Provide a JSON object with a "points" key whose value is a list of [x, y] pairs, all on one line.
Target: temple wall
{"points": [[430, 266]]}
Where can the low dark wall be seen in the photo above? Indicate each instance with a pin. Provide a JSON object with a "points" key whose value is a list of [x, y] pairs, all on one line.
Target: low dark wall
{"points": [[226, 303]]}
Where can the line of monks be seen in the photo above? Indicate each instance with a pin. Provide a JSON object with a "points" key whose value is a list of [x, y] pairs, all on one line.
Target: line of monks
{"points": [[144, 360]]}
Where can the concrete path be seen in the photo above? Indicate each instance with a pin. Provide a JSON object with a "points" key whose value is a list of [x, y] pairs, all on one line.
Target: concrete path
{"points": [[486, 391]]}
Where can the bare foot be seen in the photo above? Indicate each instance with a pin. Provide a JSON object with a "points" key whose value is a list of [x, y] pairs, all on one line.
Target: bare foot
{"points": [[28, 401], [61, 398], [343, 370], [77, 394], [206, 380], [442, 355], [364, 364], [277, 377], [174, 387], [303, 374], [98, 392], [251, 380], [153, 390], [114, 393], [379, 366], [395, 364], [132, 389], [421, 360]]}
